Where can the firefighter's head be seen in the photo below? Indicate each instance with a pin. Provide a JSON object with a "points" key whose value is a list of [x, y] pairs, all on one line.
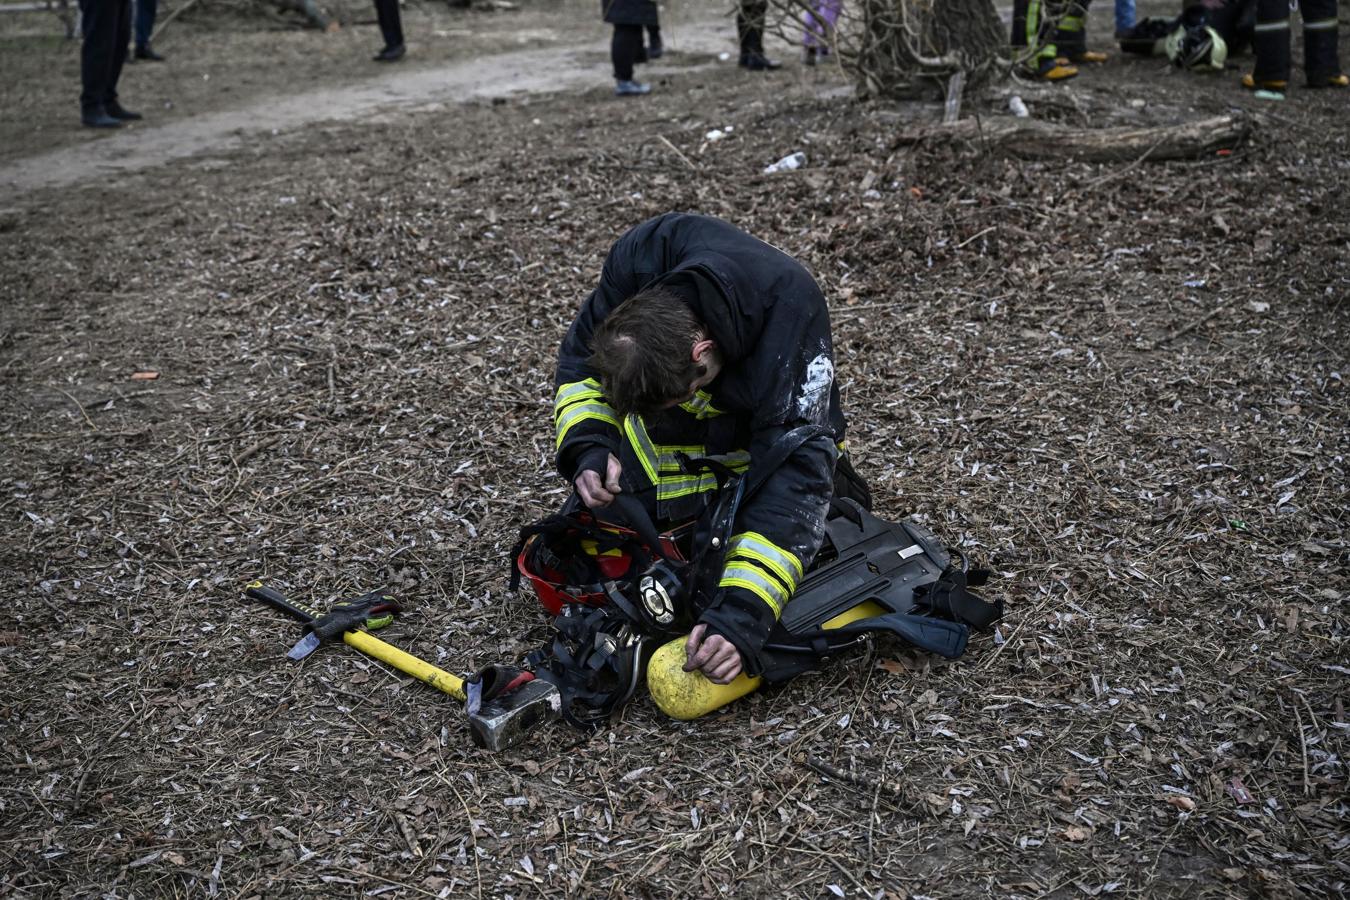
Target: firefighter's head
{"points": [[652, 353]]}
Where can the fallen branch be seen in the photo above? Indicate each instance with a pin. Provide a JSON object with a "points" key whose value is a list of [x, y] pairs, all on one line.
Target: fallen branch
{"points": [[1029, 139], [164, 22]]}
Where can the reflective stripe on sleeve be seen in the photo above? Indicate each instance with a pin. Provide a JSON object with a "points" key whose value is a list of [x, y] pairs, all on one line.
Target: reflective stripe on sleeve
{"points": [[1319, 25], [577, 402], [763, 568], [749, 576], [1280, 25], [753, 545]]}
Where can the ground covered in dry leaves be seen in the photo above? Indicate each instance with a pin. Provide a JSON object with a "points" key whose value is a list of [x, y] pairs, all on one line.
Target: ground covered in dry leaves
{"points": [[1123, 386]]}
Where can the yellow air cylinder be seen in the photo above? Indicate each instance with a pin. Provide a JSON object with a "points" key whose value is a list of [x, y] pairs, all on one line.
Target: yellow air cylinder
{"points": [[688, 695]]}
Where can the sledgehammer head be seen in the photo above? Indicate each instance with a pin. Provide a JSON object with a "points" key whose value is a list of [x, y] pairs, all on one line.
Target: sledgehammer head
{"points": [[507, 720]]}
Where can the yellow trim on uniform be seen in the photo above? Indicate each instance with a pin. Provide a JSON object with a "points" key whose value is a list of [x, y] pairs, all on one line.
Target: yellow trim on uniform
{"points": [[643, 448], [577, 402], [752, 543], [577, 414], [660, 464], [701, 406], [753, 580], [585, 389]]}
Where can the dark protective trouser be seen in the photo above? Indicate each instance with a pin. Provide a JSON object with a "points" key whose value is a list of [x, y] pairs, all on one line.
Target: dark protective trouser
{"points": [[750, 15], [146, 11], [1271, 43], [1050, 27], [624, 49], [107, 29], [391, 22]]}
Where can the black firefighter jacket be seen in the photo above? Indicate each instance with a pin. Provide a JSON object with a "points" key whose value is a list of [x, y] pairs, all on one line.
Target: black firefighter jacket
{"points": [[771, 325]]}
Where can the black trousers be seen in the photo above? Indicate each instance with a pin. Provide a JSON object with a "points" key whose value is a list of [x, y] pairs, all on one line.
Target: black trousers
{"points": [[144, 25], [624, 50], [1271, 42], [391, 24], [750, 25], [107, 29]]}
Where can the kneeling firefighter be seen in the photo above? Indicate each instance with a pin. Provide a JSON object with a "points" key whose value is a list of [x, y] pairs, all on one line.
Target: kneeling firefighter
{"points": [[697, 416]]}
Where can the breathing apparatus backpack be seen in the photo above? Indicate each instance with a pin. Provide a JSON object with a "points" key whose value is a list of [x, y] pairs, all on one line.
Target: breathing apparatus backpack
{"points": [[618, 591]]}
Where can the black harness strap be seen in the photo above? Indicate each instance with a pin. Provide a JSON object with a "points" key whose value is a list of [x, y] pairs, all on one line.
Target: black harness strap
{"points": [[951, 597]]}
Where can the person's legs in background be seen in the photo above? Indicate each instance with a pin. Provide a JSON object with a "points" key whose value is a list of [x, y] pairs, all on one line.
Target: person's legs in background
{"points": [[1124, 17], [625, 48], [819, 25], [107, 31], [391, 29], [654, 46], [1270, 44], [750, 16], [1071, 34], [146, 11], [1032, 40], [1321, 61]]}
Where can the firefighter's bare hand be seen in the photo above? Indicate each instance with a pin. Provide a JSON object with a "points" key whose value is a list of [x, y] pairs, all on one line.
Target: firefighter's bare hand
{"points": [[596, 492], [715, 656]]}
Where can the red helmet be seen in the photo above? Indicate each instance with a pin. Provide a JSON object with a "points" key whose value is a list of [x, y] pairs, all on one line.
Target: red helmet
{"points": [[568, 558]]}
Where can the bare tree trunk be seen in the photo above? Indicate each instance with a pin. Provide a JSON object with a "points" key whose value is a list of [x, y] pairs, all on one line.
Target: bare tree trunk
{"points": [[895, 47]]}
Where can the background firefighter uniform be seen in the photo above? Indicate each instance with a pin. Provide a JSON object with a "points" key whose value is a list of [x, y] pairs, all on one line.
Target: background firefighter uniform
{"points": [[1053, 28], [628, 17], [771, 326], [1321, 61]]}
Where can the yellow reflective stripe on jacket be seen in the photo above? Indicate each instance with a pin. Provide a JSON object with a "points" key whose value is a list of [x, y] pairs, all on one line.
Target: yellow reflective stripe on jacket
{"points": [[662, 467], [763, 568], [756, 546], [1278, 25], [577, 402], [1319, 25], [643, 448], [749, 576], [580, 413], [701, 406], [587, 389]]}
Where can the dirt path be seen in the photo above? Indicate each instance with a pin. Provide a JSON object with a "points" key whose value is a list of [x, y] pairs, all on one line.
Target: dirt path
{"points": [[534, 71]]}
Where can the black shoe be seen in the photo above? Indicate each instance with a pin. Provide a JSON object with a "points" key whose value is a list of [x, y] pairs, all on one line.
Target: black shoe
{"points": [[122, 115], [391, 54], [97, 117], [147, 53], [656, 50], [758, 62]]}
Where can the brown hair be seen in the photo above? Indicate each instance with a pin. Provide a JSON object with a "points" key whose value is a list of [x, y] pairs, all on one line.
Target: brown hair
{"points": [[641, 352]]}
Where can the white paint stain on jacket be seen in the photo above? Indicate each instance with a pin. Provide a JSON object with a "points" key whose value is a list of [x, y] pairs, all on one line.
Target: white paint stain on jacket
{"points": [[813, 404]]}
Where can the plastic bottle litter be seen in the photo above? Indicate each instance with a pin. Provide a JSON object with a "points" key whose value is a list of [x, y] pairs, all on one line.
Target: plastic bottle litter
{"points": [[787, 163], [1017, 107]]}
